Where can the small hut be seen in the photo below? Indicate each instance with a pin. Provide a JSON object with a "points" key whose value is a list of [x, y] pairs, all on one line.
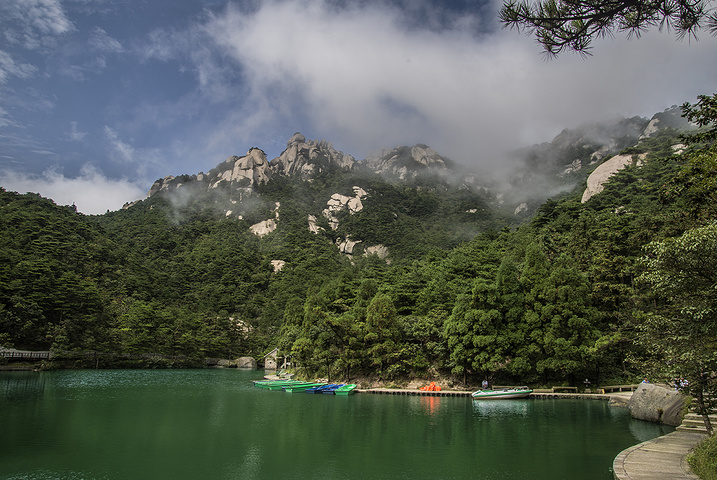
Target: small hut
{"points": [[271, 359]]}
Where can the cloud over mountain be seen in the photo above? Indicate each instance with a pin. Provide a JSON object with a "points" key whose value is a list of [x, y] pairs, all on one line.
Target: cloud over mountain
{"points": [[145, 90]]}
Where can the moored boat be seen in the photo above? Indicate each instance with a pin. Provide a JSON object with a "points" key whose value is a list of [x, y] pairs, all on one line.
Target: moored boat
{"points": [[346, 389], [331, 389], [275, 384], [302, 388], [503, 394], [320, 388], [279, 386]]}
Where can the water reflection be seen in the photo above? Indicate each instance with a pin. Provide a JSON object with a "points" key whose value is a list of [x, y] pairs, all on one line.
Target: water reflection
{"points": [[21, 386], [644, 431], [492, 408], [213, 424], [430, 405]]}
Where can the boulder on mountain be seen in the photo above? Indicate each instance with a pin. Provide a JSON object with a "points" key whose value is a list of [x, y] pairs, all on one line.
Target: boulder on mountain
{"points": [[604, 171]]}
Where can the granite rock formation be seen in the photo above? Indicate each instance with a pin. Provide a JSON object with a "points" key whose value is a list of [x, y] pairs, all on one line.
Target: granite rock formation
{"points": [[658, 404]]}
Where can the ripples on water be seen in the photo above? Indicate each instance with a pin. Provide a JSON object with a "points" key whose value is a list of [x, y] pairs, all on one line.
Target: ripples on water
{"points": [[213, 424]]}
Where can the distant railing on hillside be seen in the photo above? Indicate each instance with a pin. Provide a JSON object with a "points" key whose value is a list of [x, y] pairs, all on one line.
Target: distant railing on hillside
{"points": [[25, 354], [11, 353]]}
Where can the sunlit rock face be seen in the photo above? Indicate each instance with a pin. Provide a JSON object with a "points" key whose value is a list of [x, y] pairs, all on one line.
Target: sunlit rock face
{"points": [[246, 171], [313, 226], [305, 158], [265, 227], [379, 250], [602, 173], [277, 265], [254, 166], [346, 245], [339, 202], [161, 185]]}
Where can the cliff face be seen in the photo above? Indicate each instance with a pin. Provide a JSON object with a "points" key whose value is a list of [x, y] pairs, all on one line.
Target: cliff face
{"points": [[304, 158]]}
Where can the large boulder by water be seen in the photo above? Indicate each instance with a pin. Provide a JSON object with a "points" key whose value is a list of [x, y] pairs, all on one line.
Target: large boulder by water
{"points": [[654, 403], [246, 362]]}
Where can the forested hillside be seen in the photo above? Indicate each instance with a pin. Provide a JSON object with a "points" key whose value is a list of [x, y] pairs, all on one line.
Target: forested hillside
{"points": [[465, 291]]}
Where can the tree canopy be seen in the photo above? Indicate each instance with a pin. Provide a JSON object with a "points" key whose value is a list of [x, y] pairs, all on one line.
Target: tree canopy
{"points": [[561, 25]]}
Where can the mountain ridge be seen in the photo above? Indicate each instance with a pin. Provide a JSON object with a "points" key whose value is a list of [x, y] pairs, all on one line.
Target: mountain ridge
{"points": [[540, 171]]}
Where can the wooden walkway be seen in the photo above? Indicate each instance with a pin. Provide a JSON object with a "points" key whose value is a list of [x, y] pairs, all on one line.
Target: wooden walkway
{"points": [[663, 458]]}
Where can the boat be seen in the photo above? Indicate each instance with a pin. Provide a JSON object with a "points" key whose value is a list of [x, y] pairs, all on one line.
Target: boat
{"points": [[275, 384], [346, 389], [282, 386], [320, 388], [505, 393], [331, 389], [301, 388]]}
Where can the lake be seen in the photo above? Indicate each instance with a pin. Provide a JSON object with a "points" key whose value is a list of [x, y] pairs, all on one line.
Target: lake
{"points": [[214, 424]]}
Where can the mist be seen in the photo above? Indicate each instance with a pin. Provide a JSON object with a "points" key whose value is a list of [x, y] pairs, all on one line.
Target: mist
{"points": [[367, 80]]}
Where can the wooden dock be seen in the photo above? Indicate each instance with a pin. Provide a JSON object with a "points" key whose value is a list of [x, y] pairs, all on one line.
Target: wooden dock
{"points": [[421, 393], [463, 393]]}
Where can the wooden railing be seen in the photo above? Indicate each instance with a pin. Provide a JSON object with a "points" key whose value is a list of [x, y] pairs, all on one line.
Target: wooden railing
{"points": [[26, 354], [620, 388]]}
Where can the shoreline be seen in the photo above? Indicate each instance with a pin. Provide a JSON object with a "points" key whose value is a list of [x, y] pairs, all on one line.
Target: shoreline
{"points": [[662, 458]]}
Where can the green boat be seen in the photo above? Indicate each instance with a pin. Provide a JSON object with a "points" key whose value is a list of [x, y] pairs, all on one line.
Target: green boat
{"points": [[506, 393], [346, 389], [274, 384], [302, 388], [287, 383]]}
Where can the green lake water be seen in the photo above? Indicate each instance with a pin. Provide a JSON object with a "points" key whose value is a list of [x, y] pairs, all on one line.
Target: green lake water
{"points": [[214, 424]]}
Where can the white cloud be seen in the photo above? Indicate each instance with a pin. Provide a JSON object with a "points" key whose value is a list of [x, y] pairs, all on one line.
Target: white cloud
{"points": [[123, 152], [75, 133], [34, 23], [367, 80], [101, 41], [91, 192], [10, 68]]}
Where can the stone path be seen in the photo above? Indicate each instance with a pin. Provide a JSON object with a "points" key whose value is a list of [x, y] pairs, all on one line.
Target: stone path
{"points": [[663, 458]]}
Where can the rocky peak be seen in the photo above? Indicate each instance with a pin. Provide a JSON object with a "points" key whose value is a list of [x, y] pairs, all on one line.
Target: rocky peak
{"points": [[304, 158], [160, 185], [246, 171]]}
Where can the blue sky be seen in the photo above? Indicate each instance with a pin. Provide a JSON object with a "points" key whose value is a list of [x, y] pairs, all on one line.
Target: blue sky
{"points": [[99, 98]]}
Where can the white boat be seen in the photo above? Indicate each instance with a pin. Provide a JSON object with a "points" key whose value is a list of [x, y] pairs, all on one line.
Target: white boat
{"points": [[506, 393]]}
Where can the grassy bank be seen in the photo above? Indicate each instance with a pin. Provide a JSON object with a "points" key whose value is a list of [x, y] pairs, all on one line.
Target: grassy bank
{"points": [[703, 459]]}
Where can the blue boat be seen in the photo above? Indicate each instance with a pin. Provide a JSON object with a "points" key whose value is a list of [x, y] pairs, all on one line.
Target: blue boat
{"points": [[318, 388], [331, 389]]}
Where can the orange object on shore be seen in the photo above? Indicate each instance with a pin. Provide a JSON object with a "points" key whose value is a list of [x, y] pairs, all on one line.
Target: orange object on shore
{"points": [[432, 387]]}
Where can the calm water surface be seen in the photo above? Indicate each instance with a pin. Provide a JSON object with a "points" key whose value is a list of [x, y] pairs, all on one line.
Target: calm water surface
{"points": [[213, 424]]}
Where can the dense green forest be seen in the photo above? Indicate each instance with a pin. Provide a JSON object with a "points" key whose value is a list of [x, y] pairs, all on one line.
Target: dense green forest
{"points": [[609, 290]]}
